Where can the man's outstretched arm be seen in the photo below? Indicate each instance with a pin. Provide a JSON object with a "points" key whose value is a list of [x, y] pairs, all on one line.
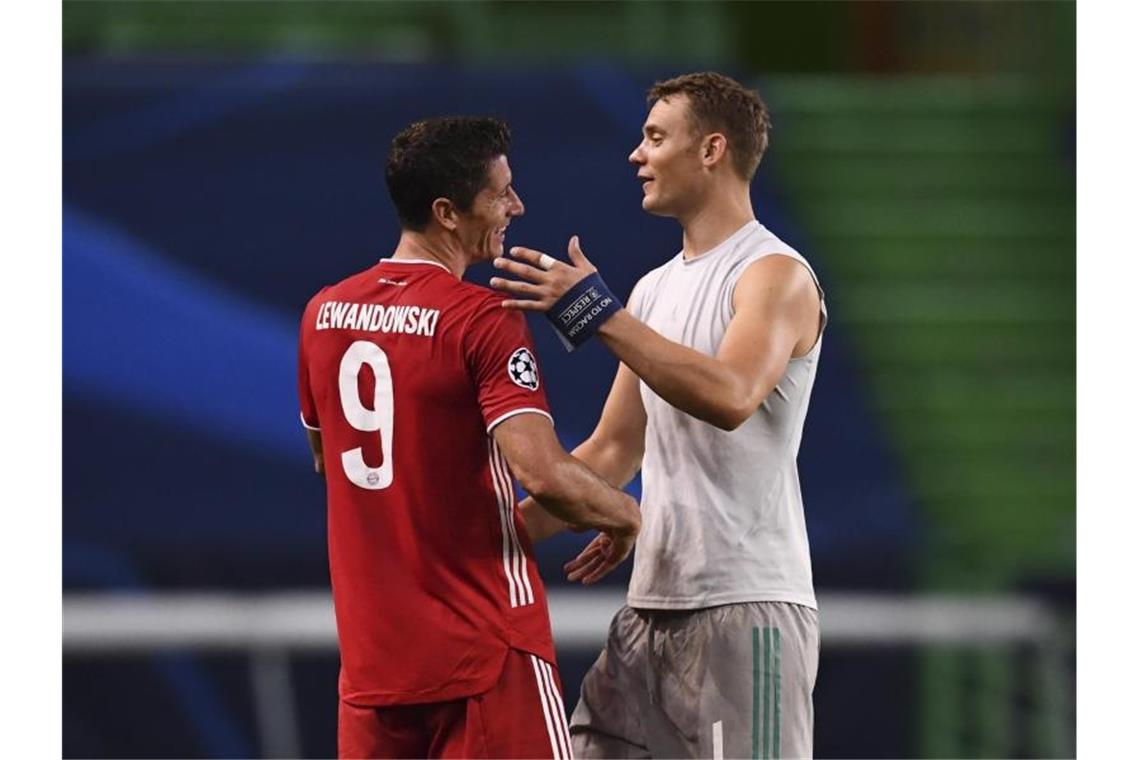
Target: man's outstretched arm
{"points": [[770, 302], [565, 488], [613, 450], [776, 315]]}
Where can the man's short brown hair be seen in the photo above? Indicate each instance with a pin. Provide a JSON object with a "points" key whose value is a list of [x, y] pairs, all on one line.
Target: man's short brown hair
{"points": [[721, 104], [445, 157]]}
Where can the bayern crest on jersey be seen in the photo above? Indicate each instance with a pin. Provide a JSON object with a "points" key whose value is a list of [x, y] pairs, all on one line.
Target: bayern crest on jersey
{"points": [[523, 369]]}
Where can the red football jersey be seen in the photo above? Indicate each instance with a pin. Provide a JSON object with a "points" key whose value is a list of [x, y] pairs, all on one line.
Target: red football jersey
{"points": [[405, 369]]}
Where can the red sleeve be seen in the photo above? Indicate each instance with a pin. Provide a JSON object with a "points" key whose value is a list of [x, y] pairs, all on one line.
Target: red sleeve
{"points": [[500, 355], [309, 416]]}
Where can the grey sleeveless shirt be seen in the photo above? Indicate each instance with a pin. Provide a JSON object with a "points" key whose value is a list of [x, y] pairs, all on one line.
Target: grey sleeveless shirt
{"points": [[722, 514]]}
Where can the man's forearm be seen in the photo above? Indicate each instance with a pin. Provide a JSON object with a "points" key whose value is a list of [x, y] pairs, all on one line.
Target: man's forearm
{"points": [[540, 524], [565, 487], [693, 382], [572, 493], [609, 460], [616, 461]]}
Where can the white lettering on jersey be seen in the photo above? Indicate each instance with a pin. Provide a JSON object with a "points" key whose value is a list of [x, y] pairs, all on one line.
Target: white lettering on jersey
{"points": [[338, 310], [410, 320], [377, 318], [390, 323], [428, 318], [366, 315], [350, 320]]}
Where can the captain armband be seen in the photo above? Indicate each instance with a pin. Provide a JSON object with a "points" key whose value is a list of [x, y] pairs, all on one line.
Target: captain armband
{"points": [[581, 310]]}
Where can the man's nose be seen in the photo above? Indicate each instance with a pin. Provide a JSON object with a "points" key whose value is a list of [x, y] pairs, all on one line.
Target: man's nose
{"points": [[519, 209]]}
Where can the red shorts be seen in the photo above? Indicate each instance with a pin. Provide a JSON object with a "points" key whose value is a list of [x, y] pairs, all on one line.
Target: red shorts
{"points": [[521, 716]]}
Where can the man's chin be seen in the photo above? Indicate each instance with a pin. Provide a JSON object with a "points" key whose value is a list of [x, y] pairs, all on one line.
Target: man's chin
{"points": [[651, 206]]}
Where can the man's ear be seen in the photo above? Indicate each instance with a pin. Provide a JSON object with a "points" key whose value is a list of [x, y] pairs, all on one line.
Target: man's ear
{"points": [[714, 148], [445, 213]]}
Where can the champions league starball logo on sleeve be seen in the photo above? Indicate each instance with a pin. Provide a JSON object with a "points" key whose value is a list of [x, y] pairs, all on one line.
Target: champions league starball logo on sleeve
{"points": [[523, 370]]}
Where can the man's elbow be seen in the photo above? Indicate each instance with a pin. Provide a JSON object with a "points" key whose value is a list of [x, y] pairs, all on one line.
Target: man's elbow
{"points": [[729, 418], [737, 407], [730, 414]]}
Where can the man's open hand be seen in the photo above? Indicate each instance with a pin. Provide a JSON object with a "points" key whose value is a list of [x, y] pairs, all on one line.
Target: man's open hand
{"points": [[539, 288], [600, 556]]}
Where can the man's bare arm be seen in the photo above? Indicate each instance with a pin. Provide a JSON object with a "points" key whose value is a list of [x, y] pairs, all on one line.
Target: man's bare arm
{"points": [[613, 450], [562, 485], [316, 447], [776, 317], [771, 300]]}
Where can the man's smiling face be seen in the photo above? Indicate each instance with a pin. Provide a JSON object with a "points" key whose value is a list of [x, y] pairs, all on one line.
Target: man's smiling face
{"points": [[668, 158], [483, 228]]}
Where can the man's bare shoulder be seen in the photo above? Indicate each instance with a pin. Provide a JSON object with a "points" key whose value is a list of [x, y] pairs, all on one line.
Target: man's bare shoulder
{"points": [[781, 289], [777, 274]]}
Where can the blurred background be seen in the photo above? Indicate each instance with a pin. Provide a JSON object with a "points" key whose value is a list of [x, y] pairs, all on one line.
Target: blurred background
{"points": [[222, 161]]}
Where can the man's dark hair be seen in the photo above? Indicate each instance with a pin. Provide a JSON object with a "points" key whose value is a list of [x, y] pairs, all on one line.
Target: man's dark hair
{"points": [[721, 104], [442, 158]]}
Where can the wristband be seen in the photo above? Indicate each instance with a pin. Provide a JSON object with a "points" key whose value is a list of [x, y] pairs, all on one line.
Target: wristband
{"points": [[581, 310]]}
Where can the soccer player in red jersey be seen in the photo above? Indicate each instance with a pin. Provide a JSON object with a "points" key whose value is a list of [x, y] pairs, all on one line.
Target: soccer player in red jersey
{"points": [[421, 397]]}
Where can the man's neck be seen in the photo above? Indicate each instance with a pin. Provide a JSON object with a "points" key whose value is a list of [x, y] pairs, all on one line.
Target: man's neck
{"points": [[715, 222], [420, 246]]}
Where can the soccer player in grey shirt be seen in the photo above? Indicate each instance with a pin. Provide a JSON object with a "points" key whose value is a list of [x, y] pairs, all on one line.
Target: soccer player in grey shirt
{"points": [[715, 653]]}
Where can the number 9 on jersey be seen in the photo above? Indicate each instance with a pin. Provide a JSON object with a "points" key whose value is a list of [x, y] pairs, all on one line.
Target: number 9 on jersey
{"points": [[376, 419]]}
